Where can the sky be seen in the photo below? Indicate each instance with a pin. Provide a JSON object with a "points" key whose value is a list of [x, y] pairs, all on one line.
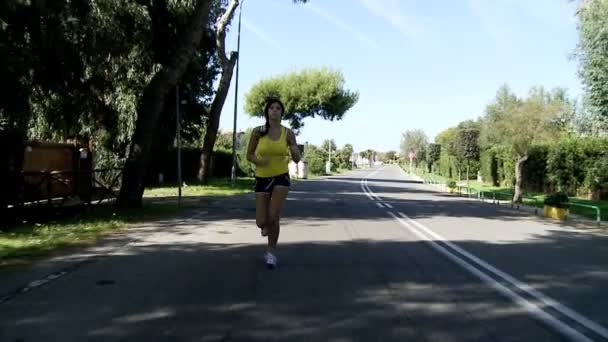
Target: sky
{"points": [[415, 64]]}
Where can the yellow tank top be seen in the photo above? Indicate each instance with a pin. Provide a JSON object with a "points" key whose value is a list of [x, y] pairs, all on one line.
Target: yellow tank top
{"points": [[276, 151]]}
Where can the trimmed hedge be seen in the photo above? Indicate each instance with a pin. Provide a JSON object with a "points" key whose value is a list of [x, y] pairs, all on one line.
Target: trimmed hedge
{"points": [[166, 163], [557, 200], [576, 166], [535, 171], [498, 166]]}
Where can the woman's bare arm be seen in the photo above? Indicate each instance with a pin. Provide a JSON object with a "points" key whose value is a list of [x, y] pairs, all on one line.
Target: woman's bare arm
{"points": [[253, 144], [293, 146]]}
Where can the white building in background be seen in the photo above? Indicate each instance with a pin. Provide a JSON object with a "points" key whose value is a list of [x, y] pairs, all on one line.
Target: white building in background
{"points": [[363, 162], [359, 161], [299, 170]]}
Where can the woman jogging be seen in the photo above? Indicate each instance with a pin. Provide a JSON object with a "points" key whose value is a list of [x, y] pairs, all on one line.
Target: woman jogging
{"points": [[268, 150]]}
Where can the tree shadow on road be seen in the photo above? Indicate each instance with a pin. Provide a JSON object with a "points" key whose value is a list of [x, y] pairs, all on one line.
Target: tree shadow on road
{"points": [[378, 180], [353, 290], [145, 288]]}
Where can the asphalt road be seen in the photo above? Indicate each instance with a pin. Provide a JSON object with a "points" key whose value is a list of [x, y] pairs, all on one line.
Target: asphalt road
{"points": [[369, 256]]}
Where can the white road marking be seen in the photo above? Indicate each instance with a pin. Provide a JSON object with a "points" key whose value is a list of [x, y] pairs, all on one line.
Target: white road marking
{"points": [[365, 190], [428, 235], [536, 311], [376, 197], [566, 311], [379, 204]]}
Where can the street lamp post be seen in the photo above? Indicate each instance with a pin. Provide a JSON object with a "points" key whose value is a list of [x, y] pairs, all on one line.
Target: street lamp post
{"points": [[178, 128], [328, 165], [236, 95]]}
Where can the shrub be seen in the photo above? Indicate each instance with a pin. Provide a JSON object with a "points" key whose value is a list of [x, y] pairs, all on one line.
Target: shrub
{"points": [[557, 200], [573, 165]]}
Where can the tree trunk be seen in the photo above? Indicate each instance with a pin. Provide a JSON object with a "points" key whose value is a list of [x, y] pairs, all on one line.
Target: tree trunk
{"points": [[152, 104], [519, 169], [214, 121], [494, 171], [227, 65], [468, 176]]}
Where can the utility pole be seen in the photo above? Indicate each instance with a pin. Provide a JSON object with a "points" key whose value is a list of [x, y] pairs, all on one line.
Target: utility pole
{"points": [[328, 165], [178, 129], [236, 96]]}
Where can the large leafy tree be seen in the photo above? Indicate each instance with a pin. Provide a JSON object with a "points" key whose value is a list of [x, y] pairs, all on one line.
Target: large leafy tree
{"points": [[389, 156], [434, 153], [505, 102], [154, 97], [227, 63], [306, 94], [415, 141], [593, 56], [538, 119], [169, 73], [84, 73], [468, 146], [329, 144], [66, 56], [448, 140], [316, 158], [447, 157], [166, 78], [344, 155], [105, 71], [101, 72]]}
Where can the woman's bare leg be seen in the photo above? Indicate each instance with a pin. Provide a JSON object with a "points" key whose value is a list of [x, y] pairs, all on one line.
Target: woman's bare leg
{"points": [[261, 211], [279, 194]]}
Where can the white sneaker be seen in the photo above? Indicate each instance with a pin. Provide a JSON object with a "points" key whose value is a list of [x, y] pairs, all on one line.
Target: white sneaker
{"points": [[271, 260]]}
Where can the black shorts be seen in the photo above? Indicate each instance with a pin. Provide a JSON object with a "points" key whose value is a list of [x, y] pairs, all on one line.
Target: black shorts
{"points": [[267, 184]]}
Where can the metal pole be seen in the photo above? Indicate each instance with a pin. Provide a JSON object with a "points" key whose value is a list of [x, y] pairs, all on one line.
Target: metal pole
{"points": [[468, 163], [236, 96], [328, 163], [178, 129]]}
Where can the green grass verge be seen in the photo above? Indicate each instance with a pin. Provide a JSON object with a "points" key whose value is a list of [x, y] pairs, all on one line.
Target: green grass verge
{"points": [[32, 239], [588, 212], [530, 198], [215, 187]]}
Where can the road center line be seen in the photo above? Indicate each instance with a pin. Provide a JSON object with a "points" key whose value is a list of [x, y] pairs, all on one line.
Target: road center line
{"points": [[420, 230], [595, 327], [367, 189], [553, 322]]}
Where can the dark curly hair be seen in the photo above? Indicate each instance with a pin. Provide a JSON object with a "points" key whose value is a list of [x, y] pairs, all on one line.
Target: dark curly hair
{"points": [[269, 103]]}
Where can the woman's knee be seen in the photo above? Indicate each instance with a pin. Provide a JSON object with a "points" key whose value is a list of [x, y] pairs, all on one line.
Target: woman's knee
{"points": [[261, 223]]}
